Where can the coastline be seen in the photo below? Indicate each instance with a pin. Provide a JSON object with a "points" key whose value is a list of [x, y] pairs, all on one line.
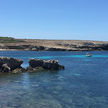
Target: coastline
{"points": [[54, 45]]}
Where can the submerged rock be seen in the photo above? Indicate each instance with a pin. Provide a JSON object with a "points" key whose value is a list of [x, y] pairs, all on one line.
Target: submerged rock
{"points": [[8, 64], [40, 64], [18, 70]]}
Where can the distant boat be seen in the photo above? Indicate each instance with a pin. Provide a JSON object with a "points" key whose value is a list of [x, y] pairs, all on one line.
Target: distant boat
{"points": [[88, 55]]}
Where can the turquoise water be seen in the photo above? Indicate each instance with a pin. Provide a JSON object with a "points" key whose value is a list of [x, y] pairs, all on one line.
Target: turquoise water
{"points": [[74, 56], [83, 83]]}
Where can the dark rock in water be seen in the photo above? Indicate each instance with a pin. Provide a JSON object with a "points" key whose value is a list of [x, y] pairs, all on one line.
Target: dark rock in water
{"points": [[51, 64], [37, 64], [18, 70], [5, 68], [13, 65], [36, 69], [9, 64]]}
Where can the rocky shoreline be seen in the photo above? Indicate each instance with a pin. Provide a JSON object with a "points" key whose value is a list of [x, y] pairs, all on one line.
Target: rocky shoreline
{"points": [[54, 45], [13, 65]]}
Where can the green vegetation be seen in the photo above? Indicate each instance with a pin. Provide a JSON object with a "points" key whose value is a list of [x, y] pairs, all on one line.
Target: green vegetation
{"points": [[10, 40]]}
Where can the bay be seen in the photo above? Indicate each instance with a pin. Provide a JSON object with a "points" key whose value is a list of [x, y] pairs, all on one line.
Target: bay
{"points": [[83, 83]]}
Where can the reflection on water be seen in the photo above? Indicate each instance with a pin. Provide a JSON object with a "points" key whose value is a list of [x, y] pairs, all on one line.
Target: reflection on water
{"points": [[26, 80], [83, 84]]}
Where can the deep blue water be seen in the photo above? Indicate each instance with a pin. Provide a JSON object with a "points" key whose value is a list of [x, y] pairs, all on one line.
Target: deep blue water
{"points": [[83, 83]]}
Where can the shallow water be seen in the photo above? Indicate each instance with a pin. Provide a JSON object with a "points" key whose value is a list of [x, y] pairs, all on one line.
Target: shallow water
{"points": [[83, 83]]}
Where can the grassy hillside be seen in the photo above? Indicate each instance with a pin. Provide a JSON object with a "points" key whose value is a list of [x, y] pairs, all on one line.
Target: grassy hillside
{"points": [[9, 40]]}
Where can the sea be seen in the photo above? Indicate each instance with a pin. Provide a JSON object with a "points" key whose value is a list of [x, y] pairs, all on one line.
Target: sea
{"points": [[82, 84]]}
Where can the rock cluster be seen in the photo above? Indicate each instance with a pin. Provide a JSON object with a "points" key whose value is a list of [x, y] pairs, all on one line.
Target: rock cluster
{"points": [[14, 65], [10, 64], [37, 64]]}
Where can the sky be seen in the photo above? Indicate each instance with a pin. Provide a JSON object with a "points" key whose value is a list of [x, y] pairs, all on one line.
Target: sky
{"points": [[54, 19]]}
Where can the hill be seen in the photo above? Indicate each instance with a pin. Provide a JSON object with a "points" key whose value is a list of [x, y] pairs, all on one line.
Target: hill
{"points": [[8, 43], [9, 40]]}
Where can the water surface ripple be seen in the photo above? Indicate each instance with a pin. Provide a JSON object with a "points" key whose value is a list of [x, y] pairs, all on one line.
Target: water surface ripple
{"points": [[83, 83]]}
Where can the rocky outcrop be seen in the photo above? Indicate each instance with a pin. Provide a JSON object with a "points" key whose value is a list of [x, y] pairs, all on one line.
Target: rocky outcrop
{"points": [[10, 65], [40, 64], [13, 65], [25, 47]]}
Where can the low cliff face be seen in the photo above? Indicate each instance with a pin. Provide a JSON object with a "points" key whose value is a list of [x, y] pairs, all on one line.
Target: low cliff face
{"points": [[54, 45]]}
